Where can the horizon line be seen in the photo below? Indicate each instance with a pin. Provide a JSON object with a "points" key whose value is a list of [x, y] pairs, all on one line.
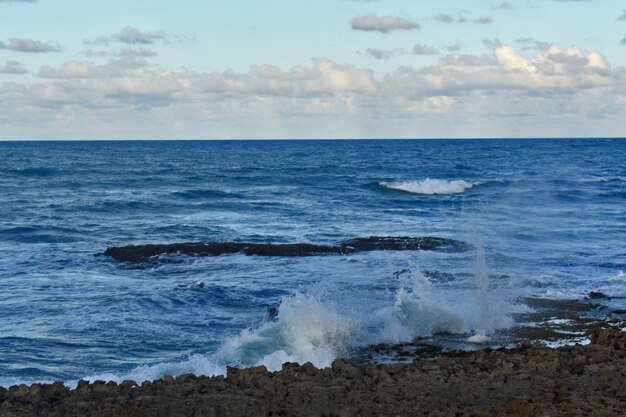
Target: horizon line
{"points": [[313, 139]]}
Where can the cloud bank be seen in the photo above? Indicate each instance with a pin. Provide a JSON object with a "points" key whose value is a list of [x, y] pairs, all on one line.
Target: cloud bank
{"points": [[550, 92]]}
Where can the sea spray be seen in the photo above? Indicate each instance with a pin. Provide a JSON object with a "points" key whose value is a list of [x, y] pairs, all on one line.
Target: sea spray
{"points": [[486, 324], [329, 322], [307, 329]]}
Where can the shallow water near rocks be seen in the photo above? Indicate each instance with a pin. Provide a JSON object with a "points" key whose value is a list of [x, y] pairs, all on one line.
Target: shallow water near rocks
{"points": [[549, 215]]}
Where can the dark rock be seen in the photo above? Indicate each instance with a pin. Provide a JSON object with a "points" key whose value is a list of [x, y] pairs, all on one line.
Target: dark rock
{"points": [[142, 253], [398, 274], [594, 295], [271, 314], [427, 243], [611, 338], [346, 370]]}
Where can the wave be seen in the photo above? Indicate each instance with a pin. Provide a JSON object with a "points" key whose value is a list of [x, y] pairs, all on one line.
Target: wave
{"points": [[612, 286], [202, 194], [196, 364], [33, 172], [327, 323], [430, 186], [308, 328], [602, 179], [40, 234]]}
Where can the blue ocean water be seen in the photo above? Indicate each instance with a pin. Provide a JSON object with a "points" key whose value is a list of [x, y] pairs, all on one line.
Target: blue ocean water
{"points": [[549, 215]]}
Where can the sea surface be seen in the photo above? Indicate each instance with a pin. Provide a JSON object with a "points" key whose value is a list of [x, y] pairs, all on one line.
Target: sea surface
{"points": [[547, 218]]}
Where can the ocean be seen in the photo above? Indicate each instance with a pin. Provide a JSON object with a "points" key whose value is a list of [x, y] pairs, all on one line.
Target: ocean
{"points": [[546, 219]]}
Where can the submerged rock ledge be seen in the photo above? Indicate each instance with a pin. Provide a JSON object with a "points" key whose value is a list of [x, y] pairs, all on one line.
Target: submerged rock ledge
{"points": [[142, 253], [525, 381]]}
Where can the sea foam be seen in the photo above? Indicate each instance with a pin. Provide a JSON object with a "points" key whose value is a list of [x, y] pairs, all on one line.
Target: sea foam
{"points": [[430, 186]]}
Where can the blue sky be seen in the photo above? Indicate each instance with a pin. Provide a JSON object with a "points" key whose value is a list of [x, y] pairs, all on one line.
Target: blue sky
{"points": [[326, 69]]}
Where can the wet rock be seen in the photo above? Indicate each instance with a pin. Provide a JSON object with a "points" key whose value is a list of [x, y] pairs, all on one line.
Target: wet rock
{"points": [[344, 369], [594, 295], [271, 314], [612, 338], [427, 243], [143, 253]]}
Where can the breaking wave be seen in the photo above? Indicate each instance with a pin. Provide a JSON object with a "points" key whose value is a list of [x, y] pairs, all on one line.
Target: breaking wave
{"points": [[430, 186], [308, 328]]}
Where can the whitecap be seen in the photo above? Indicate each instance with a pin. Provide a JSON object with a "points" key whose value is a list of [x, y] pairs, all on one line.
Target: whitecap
{"points": [[430, 186], [479, 338], [602, 179], [197, 364]]}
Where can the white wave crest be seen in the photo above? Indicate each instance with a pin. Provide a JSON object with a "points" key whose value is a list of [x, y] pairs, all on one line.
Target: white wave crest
{"points": [[309, 330], [196, 364], [430, 186], [320, 327], [602, 179]]}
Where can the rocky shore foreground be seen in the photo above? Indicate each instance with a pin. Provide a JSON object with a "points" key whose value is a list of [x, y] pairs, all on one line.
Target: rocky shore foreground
{"points": [[526, 381]]}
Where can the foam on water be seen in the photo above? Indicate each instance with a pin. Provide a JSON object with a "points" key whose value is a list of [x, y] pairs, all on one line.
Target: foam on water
{"points": [[611, 285], [430, 186], [197, 364]]}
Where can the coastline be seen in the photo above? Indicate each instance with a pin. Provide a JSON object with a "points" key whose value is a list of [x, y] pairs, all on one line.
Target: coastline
{"points": [[527, 380]]}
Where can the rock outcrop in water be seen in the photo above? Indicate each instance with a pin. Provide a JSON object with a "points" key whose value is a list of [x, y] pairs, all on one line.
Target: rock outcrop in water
{"points": [[527, 381], [142, 253]]}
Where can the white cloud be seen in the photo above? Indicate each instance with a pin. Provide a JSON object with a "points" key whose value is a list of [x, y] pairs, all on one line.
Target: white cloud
{"points": [[124, 52], [421, 49], [505, 68], [12, 67], [530, 43], [468, 60], [384, 24], [460, 18], [84, 69], [505, 5], [485, 20], [29, 45], [380, 54], [466, 95], [133, 36], [444, 18]]}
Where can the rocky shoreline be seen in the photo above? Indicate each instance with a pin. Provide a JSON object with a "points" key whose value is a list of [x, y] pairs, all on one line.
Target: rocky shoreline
{"points": [[525, 381]]}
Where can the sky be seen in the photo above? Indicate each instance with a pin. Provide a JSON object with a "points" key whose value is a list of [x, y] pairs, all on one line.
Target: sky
{"points": [[282, 69]]}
